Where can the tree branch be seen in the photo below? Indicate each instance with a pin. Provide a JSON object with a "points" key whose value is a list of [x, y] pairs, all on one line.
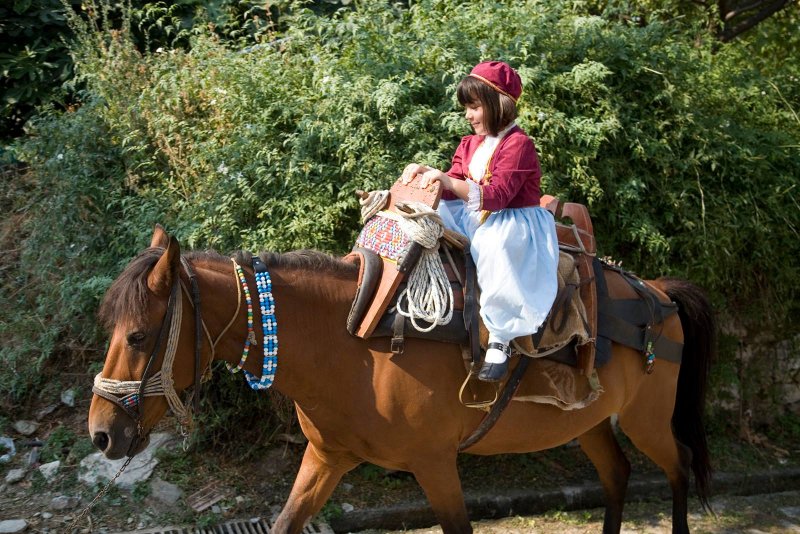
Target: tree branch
{"points": [[768, 9]]}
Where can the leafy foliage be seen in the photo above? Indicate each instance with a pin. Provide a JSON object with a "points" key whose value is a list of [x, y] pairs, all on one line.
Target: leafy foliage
{"points": [[686, 153], [33, 61], [36, 65]]}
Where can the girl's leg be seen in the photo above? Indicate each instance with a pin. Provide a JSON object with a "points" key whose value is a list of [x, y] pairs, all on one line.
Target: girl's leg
{"points": [[516, 253]]}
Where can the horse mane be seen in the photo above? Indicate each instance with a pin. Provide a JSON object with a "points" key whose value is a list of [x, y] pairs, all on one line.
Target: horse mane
{"points": [[302, 260], [310, 260], [128, 296]]}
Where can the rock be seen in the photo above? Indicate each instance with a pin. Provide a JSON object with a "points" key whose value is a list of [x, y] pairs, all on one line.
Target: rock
{"points": [[10, 526], [97, 467], [297, 439], [791, 511], [68, 397], [50, 470], [15, 475], [26, 428], [345, 487], [165, 492], [33, 457], [44, 412], [63, 502], [347, 507], [46, 515], [7, 444]]}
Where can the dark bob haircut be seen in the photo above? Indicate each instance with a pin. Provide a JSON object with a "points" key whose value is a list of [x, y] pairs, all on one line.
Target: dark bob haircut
{"points": [[499, 110]]}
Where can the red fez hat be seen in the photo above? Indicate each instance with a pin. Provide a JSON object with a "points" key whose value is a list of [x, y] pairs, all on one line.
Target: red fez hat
{"points": [[500, 77]]}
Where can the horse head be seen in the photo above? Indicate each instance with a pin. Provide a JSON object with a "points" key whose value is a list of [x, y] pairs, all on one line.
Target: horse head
{"points": [[143, 313]]}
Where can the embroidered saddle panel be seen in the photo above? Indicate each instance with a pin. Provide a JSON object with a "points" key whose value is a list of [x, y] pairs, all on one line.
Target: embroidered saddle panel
{"points": [[383, 236]]}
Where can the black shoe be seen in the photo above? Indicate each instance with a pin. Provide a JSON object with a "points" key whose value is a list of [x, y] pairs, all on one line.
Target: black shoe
{"points": [[493, 372]]}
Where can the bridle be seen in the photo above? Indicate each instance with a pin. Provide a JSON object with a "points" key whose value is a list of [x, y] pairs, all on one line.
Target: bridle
{"points": [[129, 395]]}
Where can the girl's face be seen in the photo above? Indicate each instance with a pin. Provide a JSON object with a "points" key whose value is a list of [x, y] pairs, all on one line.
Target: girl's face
{"points": [[473, 112]]}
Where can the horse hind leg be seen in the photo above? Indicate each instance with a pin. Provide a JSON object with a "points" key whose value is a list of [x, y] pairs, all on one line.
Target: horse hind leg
{"points": [[612, 467], [318, 476], [647, 422]]}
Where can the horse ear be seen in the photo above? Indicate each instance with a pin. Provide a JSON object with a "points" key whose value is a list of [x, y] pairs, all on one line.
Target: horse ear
{"points": [[163, 274], [160, 237]]}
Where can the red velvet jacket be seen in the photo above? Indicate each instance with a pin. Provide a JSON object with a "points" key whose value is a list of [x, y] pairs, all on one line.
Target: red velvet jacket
{"points": [[514, 171]]}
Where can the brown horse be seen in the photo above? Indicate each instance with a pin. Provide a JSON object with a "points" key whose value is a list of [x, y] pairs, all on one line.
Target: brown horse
{"points": [[356, 403]]}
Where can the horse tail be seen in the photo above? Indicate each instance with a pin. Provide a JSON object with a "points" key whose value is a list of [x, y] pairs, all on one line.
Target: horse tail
{"points": [[699, 330]]}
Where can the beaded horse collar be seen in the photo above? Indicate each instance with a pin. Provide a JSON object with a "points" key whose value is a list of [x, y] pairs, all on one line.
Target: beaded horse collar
{"points": [[269, 326]]}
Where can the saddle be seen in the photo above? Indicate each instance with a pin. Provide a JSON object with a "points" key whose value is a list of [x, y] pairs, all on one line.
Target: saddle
{"points": [[578, 239], [397, 255], [385, 258]]}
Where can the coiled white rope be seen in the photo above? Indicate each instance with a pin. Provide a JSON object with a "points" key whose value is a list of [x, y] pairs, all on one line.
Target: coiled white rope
{"points": [[372, 203], [428, 291]]}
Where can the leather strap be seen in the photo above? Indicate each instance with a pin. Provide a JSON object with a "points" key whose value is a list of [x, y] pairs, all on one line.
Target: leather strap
{"points": [[398, 342], [471, 308], [497, 408], [502, 347], [198, 326]]}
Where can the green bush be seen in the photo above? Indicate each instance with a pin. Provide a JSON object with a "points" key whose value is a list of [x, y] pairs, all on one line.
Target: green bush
{"points": [[34, 61], [686, 155]]}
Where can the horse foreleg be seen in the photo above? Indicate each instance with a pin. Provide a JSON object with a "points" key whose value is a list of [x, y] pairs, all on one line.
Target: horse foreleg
{"points": [[439, 479], [613, 468], [318, 476]]}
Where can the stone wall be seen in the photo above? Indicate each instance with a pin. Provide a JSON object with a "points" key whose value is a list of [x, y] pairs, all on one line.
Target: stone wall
{"points": [[755, 379]]}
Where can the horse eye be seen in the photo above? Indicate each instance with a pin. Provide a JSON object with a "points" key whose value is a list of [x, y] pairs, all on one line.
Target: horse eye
{"points": [[136, 338]]}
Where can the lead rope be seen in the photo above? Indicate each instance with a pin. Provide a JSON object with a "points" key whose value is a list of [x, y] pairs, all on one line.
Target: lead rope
{"points": [[97, 497], [182, 412], [428, 291]]}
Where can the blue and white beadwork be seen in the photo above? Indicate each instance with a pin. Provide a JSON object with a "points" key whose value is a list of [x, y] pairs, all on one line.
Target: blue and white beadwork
{"points": [[269, 327]]}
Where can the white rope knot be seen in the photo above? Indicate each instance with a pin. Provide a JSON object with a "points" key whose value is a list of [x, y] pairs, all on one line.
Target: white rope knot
{"points": [[428, 291], [372, 203]]}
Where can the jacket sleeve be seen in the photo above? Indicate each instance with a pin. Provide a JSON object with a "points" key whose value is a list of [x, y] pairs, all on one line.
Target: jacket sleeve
{"points": [[513, 164], [458, 167]]}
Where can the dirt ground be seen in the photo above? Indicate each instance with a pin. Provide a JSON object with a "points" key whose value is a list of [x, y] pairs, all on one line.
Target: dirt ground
{"points": [[778, 512]]}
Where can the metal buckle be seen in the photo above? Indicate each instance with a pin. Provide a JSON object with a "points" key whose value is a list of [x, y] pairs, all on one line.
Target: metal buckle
{"points": [[398, 345]]}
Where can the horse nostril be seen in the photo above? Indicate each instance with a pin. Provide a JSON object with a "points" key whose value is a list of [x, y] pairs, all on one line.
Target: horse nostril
{"points": [[100, 440]]}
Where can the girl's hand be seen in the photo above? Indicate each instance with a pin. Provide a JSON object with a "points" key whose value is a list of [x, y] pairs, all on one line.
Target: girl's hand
{"points": [[433, 175], [411, 171]]}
